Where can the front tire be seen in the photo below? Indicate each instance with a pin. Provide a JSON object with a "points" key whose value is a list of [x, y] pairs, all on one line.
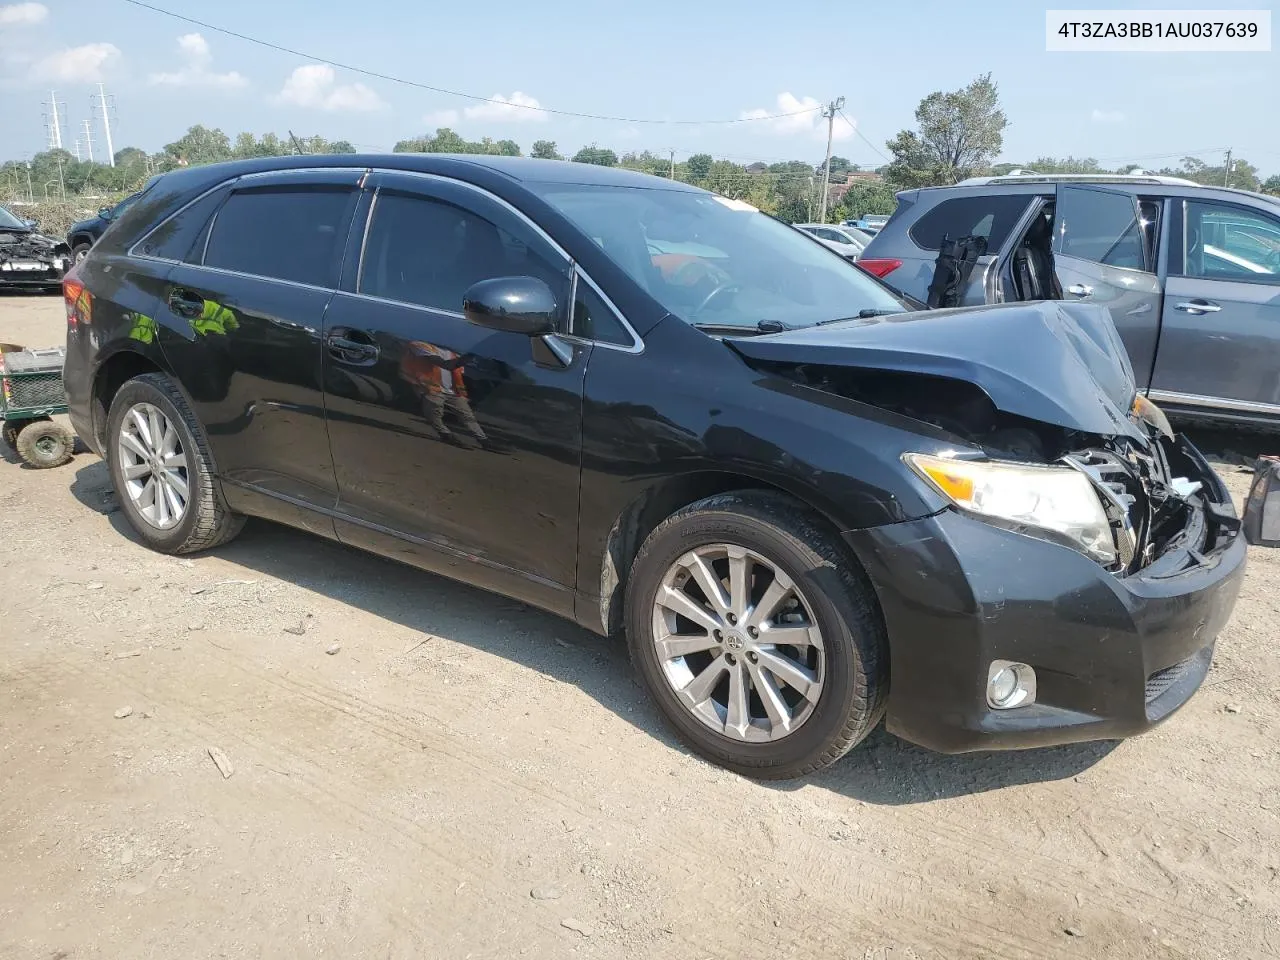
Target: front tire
{"points": [[162, 469], [756, 635], [79, 252]]}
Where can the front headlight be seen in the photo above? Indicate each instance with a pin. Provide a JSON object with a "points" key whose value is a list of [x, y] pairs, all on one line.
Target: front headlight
{"points": [[1056, 499]]}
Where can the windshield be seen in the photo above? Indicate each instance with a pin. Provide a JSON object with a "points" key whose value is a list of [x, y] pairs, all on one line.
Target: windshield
{"points": [[10, 222], [717, 262]]}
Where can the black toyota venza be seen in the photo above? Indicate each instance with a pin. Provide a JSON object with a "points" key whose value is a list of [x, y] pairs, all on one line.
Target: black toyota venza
{"points": [[661, 412]]}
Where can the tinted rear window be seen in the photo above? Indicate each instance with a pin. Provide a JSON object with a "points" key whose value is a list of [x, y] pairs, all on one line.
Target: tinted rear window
{"points": [[981, 215], [286, 233]]}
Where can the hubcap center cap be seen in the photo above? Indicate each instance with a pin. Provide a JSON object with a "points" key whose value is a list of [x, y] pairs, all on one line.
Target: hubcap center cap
{"points": [[734, 640]]}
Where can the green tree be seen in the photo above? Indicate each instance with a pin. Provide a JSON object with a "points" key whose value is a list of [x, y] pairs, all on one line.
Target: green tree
{"points": [[1272, 185], [699, 167], [599, 156], [866, 197], [130, 157], [545, 150], [200, 145], [959, 133]]}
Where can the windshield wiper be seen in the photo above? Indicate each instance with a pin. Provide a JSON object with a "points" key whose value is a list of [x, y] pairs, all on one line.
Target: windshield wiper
{"points": [[862, 315], [763, 326]]}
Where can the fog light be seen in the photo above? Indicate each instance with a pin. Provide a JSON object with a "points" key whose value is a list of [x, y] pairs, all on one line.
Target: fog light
{"points": [[1010, 685]]}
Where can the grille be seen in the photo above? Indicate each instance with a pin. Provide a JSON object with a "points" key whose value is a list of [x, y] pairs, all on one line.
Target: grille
{"points": [[1162, 680]]}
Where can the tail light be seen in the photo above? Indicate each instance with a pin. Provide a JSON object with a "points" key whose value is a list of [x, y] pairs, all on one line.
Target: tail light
{"points": [[879, 268], [76, 299]]}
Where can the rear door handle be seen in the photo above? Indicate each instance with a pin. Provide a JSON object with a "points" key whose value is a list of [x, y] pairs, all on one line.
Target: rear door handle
{"points": [[1080, 290], [1197, 307], [185, 304], [352, 346]]}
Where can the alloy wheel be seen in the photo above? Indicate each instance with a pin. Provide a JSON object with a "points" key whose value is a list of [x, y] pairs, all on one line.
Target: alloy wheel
{"points": [[738, 643], [154, 466]]}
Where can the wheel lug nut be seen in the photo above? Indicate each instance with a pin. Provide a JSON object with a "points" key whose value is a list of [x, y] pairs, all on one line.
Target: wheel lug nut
{"points": [[730, 659], [753, 632], [752, 656], [732, 618]]}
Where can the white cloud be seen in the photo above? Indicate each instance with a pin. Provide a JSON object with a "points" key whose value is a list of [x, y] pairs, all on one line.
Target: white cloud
{"points": [[197, 58], [441, 118], [315, 86], [1108, 116], [797, 116], [77, 64], [23, 13], [519, 107]]}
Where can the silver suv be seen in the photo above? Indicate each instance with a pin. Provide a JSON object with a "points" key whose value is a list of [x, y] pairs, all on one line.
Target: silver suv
{"points": [[1190, 273]]}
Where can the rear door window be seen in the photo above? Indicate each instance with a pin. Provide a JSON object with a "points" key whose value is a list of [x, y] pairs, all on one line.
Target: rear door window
{"points": [[1101, 226], [982, 215], [294, 233], [1231, 243]]}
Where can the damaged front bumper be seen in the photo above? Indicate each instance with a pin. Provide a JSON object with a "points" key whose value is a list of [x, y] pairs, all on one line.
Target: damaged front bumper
{"points": [[1114, 653]]}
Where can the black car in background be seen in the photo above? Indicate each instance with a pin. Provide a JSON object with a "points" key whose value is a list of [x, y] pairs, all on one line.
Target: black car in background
{"points": [[86, 233], [657, 411], [28, 259]]}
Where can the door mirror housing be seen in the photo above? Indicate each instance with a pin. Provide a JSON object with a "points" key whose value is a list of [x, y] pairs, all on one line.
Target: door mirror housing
{"points": [[513, 304], [104, 213]]}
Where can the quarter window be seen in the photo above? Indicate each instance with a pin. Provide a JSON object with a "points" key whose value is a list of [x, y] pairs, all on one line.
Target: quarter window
{"points": [[181, 237], [593, 320], [428, 252], [982, 215], [294, 233]]}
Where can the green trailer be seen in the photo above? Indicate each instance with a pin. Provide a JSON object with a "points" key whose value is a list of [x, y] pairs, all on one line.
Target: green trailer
{"points": [[31, 394]]}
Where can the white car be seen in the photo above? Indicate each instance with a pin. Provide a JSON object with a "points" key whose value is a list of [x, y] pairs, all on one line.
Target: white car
{"points": [[846, 241]]}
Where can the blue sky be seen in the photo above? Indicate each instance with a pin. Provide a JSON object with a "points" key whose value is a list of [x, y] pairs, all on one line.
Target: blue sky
{"points": [[660, 59]]}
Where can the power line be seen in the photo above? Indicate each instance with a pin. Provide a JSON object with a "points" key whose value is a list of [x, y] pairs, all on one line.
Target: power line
{"points": [[452, 93], [854, 128]]}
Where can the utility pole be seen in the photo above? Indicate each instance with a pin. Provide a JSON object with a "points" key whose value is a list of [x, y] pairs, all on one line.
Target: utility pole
{"points": [[88, 138], [829, 111], [76, 151], [297, 147], [673, 164], [55, 134], [106, 125], [31, 196], [62, 184], [1226, 172]]}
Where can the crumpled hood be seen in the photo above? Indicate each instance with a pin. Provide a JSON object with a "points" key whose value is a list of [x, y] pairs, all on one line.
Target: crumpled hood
{"points": [[27, 244], [1056, 362]]}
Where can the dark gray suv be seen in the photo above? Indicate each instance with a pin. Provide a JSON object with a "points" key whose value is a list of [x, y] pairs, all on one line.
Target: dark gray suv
{"points": [[1191, 273]]}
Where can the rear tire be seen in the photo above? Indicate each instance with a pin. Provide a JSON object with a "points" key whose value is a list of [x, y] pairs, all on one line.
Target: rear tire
{"points": [[842, 652], [79, 252], [178, 467], [45, 444]]}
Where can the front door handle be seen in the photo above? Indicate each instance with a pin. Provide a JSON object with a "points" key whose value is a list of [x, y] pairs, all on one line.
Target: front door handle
{"points": [[1080, 290], [1197, 307], [185, 304], [352, 346]]}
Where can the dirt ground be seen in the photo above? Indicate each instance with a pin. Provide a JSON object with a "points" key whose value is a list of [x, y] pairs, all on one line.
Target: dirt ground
{"points": [[468, 777]]}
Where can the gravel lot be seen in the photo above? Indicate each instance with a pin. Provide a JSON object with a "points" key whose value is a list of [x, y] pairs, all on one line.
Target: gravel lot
{"points": [[419, 769]]}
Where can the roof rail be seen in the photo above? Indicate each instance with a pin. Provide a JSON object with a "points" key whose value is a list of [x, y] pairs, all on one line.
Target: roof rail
{"points": [[1079, 178]]}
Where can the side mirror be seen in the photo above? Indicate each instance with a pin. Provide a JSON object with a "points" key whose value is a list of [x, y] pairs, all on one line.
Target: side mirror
{"points": [[104, 213], [33, 224], [514, 304]]}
